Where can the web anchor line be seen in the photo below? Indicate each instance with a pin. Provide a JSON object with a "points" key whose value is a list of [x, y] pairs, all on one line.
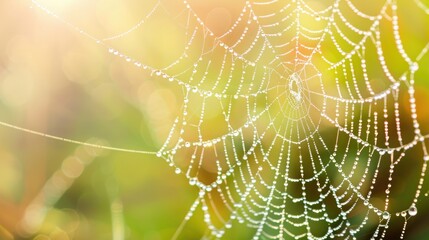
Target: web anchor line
{"points": [[92, 145]]}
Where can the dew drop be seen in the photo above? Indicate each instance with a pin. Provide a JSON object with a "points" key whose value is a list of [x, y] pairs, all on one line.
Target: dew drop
{"points": [[414, 67], [412, 210], [386, 215]]}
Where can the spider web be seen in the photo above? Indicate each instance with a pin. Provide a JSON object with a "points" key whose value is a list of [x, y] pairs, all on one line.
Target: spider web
{"points": [[293, 120]]}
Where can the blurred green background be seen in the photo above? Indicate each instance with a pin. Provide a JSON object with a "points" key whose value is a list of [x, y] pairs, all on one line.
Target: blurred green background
{"points": [[57, 81]]}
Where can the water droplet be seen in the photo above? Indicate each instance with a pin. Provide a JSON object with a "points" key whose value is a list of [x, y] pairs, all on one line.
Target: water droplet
{"points": [[414, 67], [386, 215], [412, 210]]}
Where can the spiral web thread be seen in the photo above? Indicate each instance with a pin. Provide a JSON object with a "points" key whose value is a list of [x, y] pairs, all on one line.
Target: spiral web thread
{"points": [[310, 123]]}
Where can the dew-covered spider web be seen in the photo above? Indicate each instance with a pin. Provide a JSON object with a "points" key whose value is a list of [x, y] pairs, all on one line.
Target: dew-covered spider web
{"points": [[293, 118]]}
